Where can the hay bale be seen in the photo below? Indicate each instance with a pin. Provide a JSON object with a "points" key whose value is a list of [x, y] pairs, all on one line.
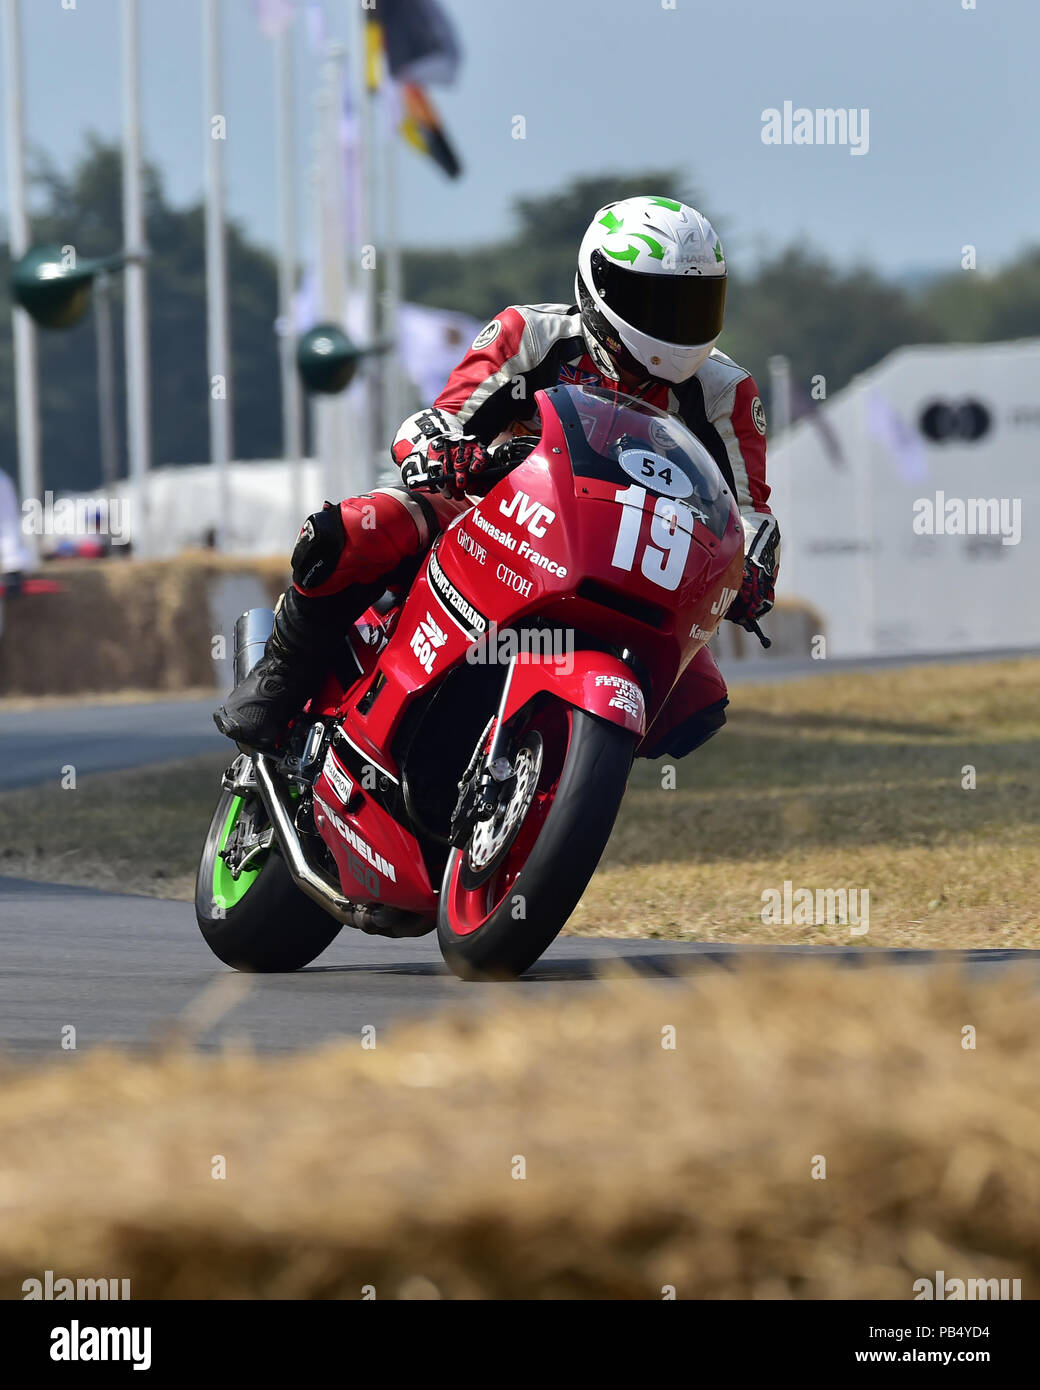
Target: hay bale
{"points": [[122, 624], [556, 1150]]}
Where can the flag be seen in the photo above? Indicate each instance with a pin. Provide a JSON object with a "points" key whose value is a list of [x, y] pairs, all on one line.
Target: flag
{"points": [[902, 444], [274, 16], [802, 406], [421, 127], [375, 49], [573, 376], [430, 343], [421, 42], [413, 37]]}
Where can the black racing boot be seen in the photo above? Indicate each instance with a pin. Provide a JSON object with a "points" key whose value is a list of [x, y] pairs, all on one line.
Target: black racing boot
{"points": [[279, 685], [297, 657]]}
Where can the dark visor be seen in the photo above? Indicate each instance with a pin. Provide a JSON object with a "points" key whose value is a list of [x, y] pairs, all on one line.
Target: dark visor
{"points": [[682, 309]]}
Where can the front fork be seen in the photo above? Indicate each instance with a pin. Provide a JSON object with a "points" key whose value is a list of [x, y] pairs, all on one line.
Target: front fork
{"points": [[487, 784], [246, 844], [490, 779], [597, 682]]}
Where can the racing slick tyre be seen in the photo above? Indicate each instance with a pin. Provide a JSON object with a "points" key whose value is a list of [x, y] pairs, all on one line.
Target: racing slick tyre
{"points": [[506, 894], [259, 921]]}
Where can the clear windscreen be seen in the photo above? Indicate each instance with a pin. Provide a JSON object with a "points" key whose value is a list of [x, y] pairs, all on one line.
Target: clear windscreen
{"points": [[617, 438]]}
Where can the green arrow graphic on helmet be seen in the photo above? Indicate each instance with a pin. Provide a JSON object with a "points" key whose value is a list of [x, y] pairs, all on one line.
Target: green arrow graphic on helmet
{"points": [[632, 252]]}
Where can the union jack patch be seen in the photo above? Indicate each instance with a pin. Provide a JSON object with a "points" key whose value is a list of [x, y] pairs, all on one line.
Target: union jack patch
{"points": [[574, 376]]}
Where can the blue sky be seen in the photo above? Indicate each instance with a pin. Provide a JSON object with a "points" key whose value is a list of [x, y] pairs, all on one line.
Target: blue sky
{"points": [[623, 84]]}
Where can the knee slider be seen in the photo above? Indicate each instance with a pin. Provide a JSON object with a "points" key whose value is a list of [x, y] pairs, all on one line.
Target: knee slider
{"points": [[318, 548]]}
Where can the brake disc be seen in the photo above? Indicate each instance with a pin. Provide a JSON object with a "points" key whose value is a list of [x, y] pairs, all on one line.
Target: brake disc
{"points": [[493, 836]]}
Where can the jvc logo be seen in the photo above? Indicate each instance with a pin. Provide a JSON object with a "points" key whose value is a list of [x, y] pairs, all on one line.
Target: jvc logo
{"points": [[427, 639], [533, 515], [723, 601]]}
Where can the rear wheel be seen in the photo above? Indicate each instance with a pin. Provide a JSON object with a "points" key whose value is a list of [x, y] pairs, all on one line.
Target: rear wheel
{"points": [[506, 895], [259, 921]]}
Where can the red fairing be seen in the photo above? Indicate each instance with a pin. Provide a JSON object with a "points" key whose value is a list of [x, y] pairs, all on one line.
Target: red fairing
{"points": [[584, 553], [700, 685], [600, 684], [376, 857]]}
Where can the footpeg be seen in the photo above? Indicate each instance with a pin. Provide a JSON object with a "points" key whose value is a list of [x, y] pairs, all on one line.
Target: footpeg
{"points": [[240, 779]]}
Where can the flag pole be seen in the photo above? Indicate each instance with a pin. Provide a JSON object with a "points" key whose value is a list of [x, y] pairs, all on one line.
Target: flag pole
{"points": [[106, 380], [368, 264], [394, 407], [315, 416], [331, 411], [217, 334], [138, 405], [27, 395], [779, 395], [292, 419]]}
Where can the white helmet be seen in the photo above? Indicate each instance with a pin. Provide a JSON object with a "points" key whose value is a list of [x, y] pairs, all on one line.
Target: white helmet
{"points": [[651, 287]]}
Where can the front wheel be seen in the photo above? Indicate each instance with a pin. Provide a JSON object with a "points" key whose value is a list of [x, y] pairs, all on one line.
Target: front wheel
{"points": [[507, 894], [259, 921]]}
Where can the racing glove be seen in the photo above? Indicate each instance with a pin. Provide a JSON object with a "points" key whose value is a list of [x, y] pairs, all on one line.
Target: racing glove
{"points": [[451, 462], [761, 561]]}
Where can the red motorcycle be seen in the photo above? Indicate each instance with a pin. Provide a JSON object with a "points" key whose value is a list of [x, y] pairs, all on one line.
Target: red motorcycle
{"points": [[463, 765]]}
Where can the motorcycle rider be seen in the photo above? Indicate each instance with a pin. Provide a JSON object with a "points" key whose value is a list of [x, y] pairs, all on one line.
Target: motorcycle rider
{"points": [[650, 290]]}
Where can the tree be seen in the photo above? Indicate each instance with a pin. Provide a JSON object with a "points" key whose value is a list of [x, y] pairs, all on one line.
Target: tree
{"points": [[826, 322], [970, 306], [83, 209], [537, 263]]}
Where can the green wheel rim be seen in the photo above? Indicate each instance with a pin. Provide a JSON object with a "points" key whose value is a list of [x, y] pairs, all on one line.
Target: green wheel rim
{"points": [[228, 891]]}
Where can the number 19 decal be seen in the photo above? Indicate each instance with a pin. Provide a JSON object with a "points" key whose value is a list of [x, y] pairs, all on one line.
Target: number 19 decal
{"points": [[664, 558]]}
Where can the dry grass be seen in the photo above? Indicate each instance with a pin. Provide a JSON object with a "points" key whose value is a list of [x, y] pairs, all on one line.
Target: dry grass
{"points": [[126, 832], [644, 1166], [850, 781]]}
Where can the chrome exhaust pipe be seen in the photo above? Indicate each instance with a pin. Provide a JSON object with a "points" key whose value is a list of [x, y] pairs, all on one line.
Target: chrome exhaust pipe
{"points": [[252, 630], [373, 918]]}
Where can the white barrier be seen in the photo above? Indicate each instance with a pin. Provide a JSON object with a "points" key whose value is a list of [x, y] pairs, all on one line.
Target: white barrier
{"points": [[183, 503], [885, 544]]}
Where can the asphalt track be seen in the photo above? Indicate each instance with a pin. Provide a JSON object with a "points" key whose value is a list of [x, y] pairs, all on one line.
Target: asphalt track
{"points": [[128, 970]]}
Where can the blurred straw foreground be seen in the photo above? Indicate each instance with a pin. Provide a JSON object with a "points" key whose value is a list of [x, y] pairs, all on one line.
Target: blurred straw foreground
{"points": [[558, 1149]]}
